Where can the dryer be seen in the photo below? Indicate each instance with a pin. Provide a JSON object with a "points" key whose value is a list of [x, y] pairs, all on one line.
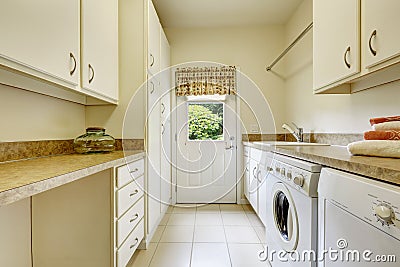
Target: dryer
{"points": [[359, 220]]}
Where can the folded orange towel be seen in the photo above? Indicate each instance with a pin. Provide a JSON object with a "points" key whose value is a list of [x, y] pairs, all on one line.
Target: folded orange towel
{"points": [[382, 135], [384, 119]]}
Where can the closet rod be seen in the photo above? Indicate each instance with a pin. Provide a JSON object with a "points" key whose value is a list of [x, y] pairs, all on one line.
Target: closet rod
{"points": [[290, 46]]}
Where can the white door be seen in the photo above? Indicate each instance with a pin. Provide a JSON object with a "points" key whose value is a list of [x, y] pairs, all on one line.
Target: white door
{"points": [[206, 150]]}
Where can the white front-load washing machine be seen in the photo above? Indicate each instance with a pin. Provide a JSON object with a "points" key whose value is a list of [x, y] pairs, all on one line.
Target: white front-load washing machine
{"points": [[292, 219]]}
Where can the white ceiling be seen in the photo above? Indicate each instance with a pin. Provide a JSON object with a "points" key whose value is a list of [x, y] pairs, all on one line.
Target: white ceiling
{"points": [[223, 13]]}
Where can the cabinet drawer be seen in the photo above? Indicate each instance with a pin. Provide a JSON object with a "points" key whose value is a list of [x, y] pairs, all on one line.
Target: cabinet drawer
{"points": [[130, 245], [129, 172], [126, 224], [128, 195]]}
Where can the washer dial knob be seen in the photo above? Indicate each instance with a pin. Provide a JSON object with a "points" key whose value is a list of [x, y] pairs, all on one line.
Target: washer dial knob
{"points": [[384, 213], [299, 180]]}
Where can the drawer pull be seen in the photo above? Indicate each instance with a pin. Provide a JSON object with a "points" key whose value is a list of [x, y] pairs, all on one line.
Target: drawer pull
{"points": [[136, 241], [134, 193], [134, 218], [135, 170]]}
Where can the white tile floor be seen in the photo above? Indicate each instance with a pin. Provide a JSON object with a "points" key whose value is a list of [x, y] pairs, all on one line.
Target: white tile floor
{"points": [[207, 236]]}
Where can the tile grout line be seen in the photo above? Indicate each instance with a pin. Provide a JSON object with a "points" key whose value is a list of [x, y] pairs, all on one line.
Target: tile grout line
{"points": [[194, 230], [226, 239]]}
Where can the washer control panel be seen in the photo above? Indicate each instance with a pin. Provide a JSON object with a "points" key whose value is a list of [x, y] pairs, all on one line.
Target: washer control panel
{"points": [[385, 214], [298, 178]]}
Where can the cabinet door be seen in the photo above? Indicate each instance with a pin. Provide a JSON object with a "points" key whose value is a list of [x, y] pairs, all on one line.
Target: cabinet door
{"points": [[153, 128], [41, 38], [100, 47], [246, 182], [336, 46], [253, 185], [165, 149], [381, 39], [154, 27]]}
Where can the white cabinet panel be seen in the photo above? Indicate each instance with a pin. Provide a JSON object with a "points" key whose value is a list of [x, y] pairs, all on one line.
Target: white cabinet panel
{"points": [[15, 232], [41, 37], [130, 245], [253, 185], [246, 182], [381, 39], [100, 47], [336, 45], [129, 172], [128, 222], [128, 195], [154, 27]]}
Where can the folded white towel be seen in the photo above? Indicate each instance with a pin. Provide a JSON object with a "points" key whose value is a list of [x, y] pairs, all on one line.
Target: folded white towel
{"points": [[387, 126], [377, 148]]}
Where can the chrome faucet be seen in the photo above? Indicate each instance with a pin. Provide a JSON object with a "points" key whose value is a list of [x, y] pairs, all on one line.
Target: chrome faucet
{"points": [[297, 132]]}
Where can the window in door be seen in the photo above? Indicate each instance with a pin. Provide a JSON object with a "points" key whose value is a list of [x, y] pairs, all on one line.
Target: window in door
{"points": [[205, 121]]}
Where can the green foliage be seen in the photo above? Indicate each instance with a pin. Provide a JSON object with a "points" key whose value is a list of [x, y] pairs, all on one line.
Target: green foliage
{"points": [[205, 122]]}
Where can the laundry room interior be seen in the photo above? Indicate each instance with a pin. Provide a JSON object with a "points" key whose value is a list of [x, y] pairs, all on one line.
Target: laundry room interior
{"points": [[199, 133]]}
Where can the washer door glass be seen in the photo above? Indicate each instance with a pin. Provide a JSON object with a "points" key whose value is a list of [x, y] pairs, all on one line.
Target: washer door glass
{"points": [[285, 217]]}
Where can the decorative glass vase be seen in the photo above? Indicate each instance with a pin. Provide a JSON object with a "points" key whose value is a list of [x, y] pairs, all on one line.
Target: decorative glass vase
{"points": [[95, 140]]}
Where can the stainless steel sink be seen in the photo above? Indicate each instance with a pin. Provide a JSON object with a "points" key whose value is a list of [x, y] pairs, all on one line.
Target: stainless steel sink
{"points": [[283, 143]]}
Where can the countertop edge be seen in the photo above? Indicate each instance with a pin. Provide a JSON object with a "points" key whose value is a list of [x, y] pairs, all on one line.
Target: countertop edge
{"points": [[372, 172], [28, 190]]}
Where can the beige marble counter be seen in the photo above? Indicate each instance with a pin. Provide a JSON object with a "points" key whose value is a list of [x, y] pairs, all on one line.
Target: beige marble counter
{"points": [[25, 178], [384, 169]]}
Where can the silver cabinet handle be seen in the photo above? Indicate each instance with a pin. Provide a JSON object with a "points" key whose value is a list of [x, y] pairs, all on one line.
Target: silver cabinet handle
{"points": [[91, 70], [258, 176], [71, 72], [134, 193], [135, 170], [345, 57], [163, 108], [152, 87], [152, 60], [134, 218], [254, 171], [133, 245], [373, 51]]}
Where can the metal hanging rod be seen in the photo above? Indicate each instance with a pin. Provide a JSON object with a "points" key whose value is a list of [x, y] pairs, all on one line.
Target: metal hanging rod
{"points": [[290, 46]]}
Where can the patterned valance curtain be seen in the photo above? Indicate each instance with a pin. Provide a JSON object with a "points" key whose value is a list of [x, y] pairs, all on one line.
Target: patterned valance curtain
{"points": [[205, 81]]}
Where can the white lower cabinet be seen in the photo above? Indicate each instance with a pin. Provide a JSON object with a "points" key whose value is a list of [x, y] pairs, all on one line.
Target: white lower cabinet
{"points": [[126, 251], [15, 233], [253, 184], [258, 165], [129, 211]]}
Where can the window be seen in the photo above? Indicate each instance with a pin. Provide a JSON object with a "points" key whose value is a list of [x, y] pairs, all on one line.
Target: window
{"points": [[205, 121]]}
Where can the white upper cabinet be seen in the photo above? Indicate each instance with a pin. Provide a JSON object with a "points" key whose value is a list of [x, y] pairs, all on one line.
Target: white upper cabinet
{"points": [[100, 47], [336, 51], [41, 38], [381, 38], [154, 28]]}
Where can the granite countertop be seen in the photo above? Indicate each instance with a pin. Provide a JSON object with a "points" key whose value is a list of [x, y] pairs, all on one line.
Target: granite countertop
{"points": [[24, 178], [383, 169]]}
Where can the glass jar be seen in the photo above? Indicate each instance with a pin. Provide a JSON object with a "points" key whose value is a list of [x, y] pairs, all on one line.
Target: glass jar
{"points": [[95, 140]]}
